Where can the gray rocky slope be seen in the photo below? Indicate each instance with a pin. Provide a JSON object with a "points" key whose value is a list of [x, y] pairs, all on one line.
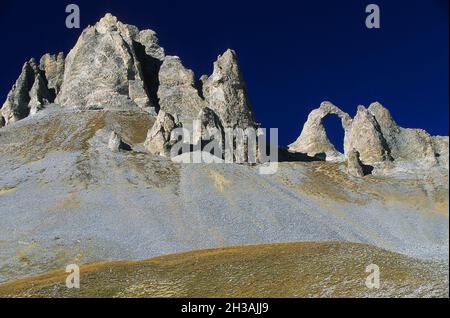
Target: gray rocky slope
{"points": [[85, 175]]}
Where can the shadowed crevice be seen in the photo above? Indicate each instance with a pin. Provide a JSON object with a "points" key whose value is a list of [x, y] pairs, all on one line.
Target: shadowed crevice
{"points": [[150, 72]]}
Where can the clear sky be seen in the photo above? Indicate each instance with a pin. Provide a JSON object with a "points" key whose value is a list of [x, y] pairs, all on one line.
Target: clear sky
{"points": [[294, 54]]}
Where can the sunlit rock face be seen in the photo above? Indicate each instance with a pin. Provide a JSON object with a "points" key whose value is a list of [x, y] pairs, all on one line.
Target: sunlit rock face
{"points": [[354, 164], [409, 144], [34, 89], [366, 137], [16, 104], [53, 68], [226, 94], [159, 138], [372, 133], [177, 92], [313, 139], [111, 65]]}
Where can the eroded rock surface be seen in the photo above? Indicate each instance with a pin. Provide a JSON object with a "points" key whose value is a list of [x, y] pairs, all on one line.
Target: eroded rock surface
{"points": [[39, 95], [354, 164], [210, 130], [108, 67], [407, 144], [313, 139], [53, 68], [177, 91], [159, 139], [366, 137], [116, 143], [374, 134], [226, 93], [16, 104], [29, 94]]}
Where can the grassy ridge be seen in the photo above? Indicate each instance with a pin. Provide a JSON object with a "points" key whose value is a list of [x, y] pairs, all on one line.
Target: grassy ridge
{"points": [[328, 269]]}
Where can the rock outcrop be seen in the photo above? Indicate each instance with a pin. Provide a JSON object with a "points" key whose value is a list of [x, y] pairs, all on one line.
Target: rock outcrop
{"points": [[53, 68], [366, 137], [29, 94], [109, 65], [440, 146], [405, 144], [159, 139], [177, 92], [115, 65], [313, 139], [374, 134], [39, 95], [116, 143], [225, 93], [16, 104], [210, 132], [354, 165]]}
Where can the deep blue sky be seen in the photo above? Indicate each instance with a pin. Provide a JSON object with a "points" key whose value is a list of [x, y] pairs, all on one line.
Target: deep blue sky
{"points": [[294, 54]]}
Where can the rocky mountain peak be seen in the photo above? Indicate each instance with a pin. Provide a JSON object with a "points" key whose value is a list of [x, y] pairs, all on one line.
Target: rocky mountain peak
{"points": [[225, 92], [117, 66], [110, 67], [108, 23]]}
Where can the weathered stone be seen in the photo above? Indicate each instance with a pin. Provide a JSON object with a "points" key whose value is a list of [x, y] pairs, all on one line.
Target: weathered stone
{"points": [[150, 41], [159, 140], [116, 143], [313, 139], [441, 150], [16, 104], [107, 68], [210, 132], [365, 136], [177, 91], [404, 144], [225, 93], [373, 133], [31, 93], [53, 68], [39, 95], [354, 164]]}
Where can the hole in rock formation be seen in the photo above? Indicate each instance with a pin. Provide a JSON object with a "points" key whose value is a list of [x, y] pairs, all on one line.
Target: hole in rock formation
{"points": [[125, 147], [367, 169], [335, 132]]}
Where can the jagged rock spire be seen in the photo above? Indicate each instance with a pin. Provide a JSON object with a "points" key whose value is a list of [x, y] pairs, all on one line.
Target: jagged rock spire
{"points": [[28, 95], [111, 66], [225, 93], [114, 65], [16, 104]]}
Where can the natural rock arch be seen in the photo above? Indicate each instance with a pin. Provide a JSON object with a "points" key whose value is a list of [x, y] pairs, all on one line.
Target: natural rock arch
{"points": [[313, 140]]}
